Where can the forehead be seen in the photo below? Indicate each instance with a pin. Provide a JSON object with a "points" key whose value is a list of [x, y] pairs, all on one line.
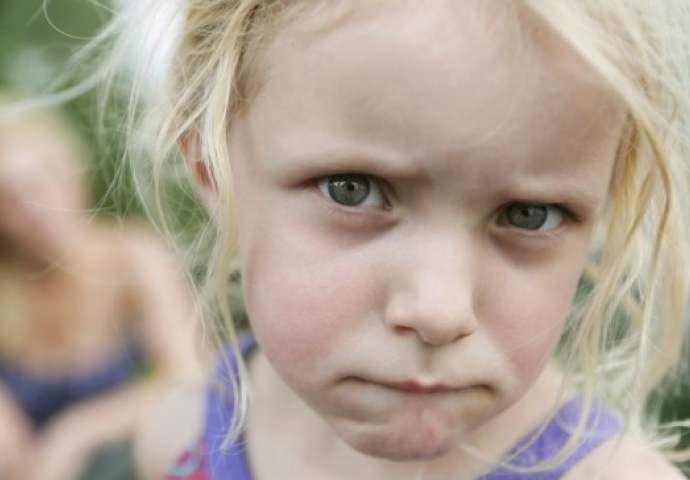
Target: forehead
{"points": [[442, 79]]}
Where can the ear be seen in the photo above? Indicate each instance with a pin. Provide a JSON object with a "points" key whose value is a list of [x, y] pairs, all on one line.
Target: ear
{"points": [[190, 147]]}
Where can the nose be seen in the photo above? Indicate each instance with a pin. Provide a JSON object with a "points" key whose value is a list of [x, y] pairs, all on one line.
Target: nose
{"points": [[432, 295]]}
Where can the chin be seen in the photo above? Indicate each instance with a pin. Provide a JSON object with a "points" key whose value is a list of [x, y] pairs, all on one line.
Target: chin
{"points": [[401, 451], [406, 443]]}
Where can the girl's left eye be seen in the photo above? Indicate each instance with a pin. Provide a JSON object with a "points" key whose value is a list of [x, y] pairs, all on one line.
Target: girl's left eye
{"points": [[531, 216], [353, 190]]}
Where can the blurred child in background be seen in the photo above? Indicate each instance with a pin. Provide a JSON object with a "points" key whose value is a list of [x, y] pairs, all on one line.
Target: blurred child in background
{"points": [[95, 315]]}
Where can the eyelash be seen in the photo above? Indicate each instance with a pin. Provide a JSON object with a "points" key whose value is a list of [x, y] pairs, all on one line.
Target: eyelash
{"points": [[322, 184], [374, 190], [565, 214]]}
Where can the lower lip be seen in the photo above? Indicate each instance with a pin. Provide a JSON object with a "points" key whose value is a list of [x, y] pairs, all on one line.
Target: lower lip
{"points": [[412, 388]]}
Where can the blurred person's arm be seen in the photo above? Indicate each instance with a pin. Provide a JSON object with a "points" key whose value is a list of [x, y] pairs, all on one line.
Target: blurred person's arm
{"points": [[170, 323], [166, 318], [15, 436], [165, 323], [159, 442]]}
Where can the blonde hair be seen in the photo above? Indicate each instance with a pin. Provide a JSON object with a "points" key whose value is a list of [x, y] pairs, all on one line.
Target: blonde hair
{"points": [[626, 338]]}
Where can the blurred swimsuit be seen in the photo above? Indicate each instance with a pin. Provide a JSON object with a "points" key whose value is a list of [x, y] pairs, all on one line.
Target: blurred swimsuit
{"points": [[207, 460], [42, 397]]}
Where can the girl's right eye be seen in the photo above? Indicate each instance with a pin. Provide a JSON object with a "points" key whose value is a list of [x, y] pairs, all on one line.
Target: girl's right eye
{"points": [[353, 190]]}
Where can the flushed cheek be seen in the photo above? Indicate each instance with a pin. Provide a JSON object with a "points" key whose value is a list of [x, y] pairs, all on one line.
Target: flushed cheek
{"points": [[528, 322], [305, 302]]}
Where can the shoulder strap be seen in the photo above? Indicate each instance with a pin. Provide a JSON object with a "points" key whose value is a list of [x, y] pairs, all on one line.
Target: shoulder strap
{"points": [[225, 462], [548, 441]]}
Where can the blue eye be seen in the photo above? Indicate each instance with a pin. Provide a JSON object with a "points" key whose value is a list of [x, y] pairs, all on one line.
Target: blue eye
{"points": [[353, 190], [531, 216]]}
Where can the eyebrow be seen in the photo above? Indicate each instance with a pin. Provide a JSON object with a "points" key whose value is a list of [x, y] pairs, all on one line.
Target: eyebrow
{"points": [[555, 187], [565, 190], [333, 161]]}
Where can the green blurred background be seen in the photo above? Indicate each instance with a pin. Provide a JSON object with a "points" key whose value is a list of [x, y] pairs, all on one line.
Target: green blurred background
{"points": [[36, 38]]}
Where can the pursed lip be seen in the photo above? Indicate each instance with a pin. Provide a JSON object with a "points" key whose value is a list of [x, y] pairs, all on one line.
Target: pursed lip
{"points": [[415, 386]]}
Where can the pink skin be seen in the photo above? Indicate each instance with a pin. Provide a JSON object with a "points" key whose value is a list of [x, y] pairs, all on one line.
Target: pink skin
{"points": [[41, 193], [418, 321]]}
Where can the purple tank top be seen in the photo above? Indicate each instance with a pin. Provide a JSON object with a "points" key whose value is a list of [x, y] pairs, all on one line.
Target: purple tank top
{"points": [[43, 397], [547, 442], [602, 424], [228, 463]]}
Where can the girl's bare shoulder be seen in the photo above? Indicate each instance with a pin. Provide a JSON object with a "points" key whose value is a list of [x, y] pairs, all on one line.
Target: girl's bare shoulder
{"points": [[629, 458], [125, 246]]}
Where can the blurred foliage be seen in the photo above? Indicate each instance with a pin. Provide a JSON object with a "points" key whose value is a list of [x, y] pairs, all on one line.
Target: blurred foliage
{"points": [[37, 37]]}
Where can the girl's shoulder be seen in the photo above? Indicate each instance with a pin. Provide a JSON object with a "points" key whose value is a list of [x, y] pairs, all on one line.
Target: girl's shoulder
{"points": [[125, 245], [201, 415], [625, 457], [173, 424], [103, 253]]}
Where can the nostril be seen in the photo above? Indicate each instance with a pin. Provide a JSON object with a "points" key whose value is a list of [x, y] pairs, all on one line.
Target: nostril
{"points": [[440, 333], [402, 331], [434, 328]]}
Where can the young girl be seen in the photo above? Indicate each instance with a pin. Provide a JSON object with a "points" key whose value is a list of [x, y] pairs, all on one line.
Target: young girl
{"points": [[461, 230], [96, 319]]}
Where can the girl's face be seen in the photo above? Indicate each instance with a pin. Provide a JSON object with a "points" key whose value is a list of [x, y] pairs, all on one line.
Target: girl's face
{"points": [[41, 192], [417, 190]]}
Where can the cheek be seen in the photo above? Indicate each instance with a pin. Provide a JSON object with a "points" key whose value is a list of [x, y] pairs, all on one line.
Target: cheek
{"points": [[304, 299], [528, 313]]}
